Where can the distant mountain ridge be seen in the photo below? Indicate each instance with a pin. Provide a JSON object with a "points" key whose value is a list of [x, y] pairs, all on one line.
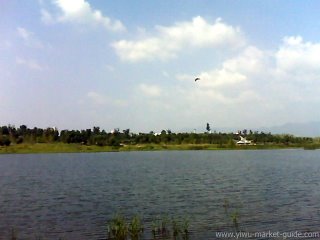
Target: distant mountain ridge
{"points": [[307, 129]]}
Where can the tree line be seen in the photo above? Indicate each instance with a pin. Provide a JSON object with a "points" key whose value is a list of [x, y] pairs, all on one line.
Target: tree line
{"points": [[96, 136]]}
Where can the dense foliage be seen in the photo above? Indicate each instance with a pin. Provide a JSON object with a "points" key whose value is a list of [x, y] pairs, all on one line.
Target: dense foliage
{"points": [[95, 136]]}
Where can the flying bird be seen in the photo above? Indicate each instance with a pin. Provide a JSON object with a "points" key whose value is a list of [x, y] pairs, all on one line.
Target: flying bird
{"points": [[197, 79]]}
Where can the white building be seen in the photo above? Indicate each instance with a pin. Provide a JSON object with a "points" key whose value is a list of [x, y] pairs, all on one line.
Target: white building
{"points": [[244, 141]]}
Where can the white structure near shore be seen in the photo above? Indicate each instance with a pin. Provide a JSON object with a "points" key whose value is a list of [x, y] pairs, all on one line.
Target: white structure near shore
{"points": [[244, 141]]}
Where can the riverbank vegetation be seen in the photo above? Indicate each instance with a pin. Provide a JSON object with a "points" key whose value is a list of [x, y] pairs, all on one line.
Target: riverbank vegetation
{"points": [[35, 140], [161, 228]]}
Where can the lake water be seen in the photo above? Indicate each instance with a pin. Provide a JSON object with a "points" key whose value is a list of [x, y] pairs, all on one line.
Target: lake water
{"points": [[73, 196]]}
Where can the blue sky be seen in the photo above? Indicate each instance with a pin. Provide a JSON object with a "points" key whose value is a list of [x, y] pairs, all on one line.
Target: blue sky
{"points": [[131, 64]]}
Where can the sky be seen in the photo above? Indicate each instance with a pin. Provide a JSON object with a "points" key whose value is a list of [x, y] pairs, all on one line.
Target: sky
{"points": [[75, 64]]}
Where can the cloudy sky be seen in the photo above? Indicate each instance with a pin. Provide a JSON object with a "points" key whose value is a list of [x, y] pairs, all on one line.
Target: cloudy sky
{"points": [[131, 64]]}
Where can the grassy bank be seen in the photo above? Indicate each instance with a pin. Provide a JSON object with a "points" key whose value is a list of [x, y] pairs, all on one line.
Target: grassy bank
{"points": [[71, 148], [54, 148]]}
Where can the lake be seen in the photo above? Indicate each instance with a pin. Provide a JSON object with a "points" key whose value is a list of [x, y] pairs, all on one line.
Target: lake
{"points": [[73, 196]]}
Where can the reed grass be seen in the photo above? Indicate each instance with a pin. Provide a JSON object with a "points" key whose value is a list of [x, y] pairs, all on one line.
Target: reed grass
{"points": [[235, 220], [135, 228], [162, 228], [13, 235], [118, 229]]}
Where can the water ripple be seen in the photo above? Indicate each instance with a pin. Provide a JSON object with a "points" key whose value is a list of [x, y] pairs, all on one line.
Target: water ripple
{"points": [[73, 196]]}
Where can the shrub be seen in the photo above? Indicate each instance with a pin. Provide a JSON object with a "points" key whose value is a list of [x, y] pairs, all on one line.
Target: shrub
{"points": [[4, 141]]}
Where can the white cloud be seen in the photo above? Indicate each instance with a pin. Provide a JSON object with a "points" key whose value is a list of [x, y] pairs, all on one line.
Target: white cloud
{"points": [[240, 83], [150, 90], [298, 57], [29, 63], [221, 78], [200, 33], [46, 17], [295, 74], [250, 61], [80, 11], [29, 38], [24, 33], [234, 73], [99, 99], [254, 87], [168, 41], [205, 96], [268, 83], [147, 49]]}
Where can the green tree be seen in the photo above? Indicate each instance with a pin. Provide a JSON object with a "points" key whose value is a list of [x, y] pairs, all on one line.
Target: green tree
{"points": [[126, 132], [208, 127], [96, 130], [4, 130]]}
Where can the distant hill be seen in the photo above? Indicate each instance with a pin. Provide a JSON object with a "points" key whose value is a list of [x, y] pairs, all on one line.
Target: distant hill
{"points": [[308, 129]]}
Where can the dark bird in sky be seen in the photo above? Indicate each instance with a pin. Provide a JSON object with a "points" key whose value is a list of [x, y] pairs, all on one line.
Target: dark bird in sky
{"points": [[197, 79]]}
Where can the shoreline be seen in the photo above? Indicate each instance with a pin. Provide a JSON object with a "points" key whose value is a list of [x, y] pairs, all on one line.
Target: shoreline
{"points": [[79, 148]]}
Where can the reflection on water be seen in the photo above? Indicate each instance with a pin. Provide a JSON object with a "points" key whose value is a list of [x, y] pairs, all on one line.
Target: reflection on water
{"points": [[72, 196]]}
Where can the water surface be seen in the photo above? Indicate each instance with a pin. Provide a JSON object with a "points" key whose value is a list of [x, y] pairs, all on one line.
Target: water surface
{"points": [[72, 196]]}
